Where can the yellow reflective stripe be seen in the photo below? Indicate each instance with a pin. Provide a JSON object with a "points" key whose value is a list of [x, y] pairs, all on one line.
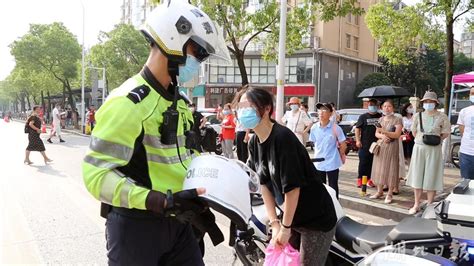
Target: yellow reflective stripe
{"points": [[167, 159], [127, 186], [161, 43], [100, 163], [110, 148], [107, 190], [155, 142]]}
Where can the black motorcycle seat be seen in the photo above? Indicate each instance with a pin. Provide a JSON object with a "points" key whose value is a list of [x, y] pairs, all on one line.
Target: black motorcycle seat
{"points": [[361, 238], [413, 228]]}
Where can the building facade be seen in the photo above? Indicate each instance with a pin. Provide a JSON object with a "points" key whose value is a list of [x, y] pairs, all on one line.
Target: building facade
{"points": [[135, 12], [339, 54], [467, 44]]}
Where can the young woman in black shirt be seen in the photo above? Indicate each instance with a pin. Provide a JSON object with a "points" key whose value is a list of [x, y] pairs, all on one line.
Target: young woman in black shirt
{"points": [[288, 178]]}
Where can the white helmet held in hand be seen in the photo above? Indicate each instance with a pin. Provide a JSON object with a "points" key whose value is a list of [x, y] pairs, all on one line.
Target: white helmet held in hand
{"points": [[228, 185], [173, 24]]}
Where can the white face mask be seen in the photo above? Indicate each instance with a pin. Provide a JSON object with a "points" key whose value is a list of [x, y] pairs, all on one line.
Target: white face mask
{"points": [[410, 110], [294, 107], [429, 106], [471, 98]]}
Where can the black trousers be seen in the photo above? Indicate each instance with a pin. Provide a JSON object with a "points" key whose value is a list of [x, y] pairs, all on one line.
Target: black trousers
{"points": [[333, 177], [150, 241], [242, 149], [365, 163]]}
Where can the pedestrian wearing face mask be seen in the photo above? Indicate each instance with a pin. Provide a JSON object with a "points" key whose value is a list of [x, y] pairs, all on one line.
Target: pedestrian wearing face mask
{"points": [[365, 136], [288, 178], [228, 131], [425, 173], [466, 127], [408, 140], [386, 165], [296, 120]]}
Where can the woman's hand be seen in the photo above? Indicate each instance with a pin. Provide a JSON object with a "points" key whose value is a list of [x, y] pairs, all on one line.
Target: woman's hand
{"points": [[283, 236], [386, 139], [275, 230], [39, 131]]}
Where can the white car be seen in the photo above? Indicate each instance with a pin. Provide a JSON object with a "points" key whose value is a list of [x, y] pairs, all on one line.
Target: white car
{"points": [[212, 121]]}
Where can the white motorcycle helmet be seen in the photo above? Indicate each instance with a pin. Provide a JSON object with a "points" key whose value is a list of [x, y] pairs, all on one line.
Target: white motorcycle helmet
{"points": [[228, 185], [174, 23]]}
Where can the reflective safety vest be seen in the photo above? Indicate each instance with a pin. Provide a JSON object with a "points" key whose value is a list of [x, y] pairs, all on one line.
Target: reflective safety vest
{"points": [[126, 158]]}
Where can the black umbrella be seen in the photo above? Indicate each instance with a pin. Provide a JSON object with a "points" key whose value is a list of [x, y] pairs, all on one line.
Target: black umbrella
{"points": [[384, 91]]}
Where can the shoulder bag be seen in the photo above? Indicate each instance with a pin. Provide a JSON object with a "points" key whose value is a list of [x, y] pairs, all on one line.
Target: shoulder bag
{"points": [[431, 140]]}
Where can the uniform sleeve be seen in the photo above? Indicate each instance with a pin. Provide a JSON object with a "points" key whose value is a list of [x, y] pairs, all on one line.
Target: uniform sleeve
{"points": [[112, 143]]}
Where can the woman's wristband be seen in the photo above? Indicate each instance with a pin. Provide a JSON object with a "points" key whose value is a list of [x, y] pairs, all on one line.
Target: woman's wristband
{"points": [[284, 226], [276, 220]]}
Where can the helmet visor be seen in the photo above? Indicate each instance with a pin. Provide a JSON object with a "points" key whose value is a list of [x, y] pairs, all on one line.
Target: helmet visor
{"points": [[217, 52], [254, 184]]}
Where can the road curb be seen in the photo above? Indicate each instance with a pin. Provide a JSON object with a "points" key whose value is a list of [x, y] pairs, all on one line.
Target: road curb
{"points": [[373, 208]]}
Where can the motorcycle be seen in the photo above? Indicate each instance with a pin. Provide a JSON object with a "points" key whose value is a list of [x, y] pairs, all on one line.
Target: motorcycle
{"points": [[446, 235], [351, 142]]}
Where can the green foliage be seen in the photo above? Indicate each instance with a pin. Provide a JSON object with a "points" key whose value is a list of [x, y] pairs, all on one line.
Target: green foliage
{"points": [[243, 26], [123, 51], [44, 53], [371, 80], [401, 32]]}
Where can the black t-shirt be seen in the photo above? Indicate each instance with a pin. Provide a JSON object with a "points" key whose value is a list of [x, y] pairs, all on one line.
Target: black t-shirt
{"points": [[197, 117], [282, 164], [366, 123]]}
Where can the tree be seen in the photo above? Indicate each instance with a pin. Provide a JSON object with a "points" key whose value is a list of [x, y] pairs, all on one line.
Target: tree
{"points": [[123, 51], [49, 49], [242, 26], [371, 80], [398, 31]]}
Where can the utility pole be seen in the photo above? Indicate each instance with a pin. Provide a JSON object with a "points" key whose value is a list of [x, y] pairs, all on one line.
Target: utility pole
{"points": [[281, 61]]}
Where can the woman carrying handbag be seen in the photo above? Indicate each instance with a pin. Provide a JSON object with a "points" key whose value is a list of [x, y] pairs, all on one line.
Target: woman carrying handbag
{"points": [[425, 173]]}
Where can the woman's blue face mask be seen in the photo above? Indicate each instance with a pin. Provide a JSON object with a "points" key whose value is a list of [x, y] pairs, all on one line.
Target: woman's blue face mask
{"points": [[248, 117]]}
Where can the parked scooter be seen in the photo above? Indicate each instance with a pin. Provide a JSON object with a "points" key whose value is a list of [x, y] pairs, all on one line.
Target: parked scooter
{"points": [[449, 236]]}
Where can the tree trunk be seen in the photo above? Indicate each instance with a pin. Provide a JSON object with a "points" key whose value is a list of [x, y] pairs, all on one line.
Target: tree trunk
{"points": [[27, 96], [239, 56], [42, 101], [449, 62], [49, 103], [70, 98]]}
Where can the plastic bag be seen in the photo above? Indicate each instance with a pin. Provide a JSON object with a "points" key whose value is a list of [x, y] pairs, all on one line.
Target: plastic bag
{"points": [[286, 256]]}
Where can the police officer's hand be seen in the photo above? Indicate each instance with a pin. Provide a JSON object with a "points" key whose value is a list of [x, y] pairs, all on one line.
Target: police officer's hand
{"points": [[186, 204]]}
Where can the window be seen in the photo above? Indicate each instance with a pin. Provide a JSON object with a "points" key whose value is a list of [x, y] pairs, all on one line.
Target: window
{"points": [[356, 43], [349, 17], [356, 20], [348, 41]]}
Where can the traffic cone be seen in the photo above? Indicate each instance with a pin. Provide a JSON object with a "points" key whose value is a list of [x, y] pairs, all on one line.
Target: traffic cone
{"points": [[43, 128]]}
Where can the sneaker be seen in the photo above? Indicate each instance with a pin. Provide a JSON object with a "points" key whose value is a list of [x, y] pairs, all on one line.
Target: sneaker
{"points": [[49, 140], [370, 183], [359, 182], [61, 140]]}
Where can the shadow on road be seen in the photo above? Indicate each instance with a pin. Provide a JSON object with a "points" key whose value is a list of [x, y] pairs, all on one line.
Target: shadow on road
{"points": [[47, 169]]}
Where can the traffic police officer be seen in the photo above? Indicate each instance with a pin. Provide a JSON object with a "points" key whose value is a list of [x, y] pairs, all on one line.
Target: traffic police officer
{"points": [[138, 153]]}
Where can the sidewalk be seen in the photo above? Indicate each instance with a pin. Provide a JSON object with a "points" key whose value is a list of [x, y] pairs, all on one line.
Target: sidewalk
{"points": [[350, 195], [398, 209]]}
